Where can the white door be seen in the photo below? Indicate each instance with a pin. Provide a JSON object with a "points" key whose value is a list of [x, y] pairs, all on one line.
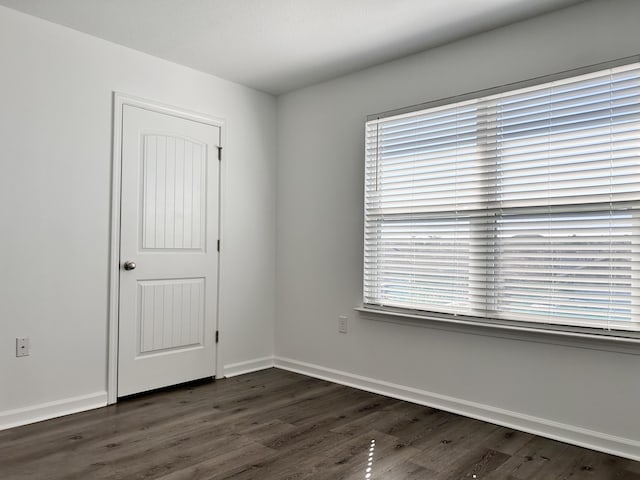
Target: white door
{"points": [[168, 250]]}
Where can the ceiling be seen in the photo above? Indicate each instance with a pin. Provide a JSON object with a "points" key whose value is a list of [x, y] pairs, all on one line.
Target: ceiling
{"points": [[280, 45]]}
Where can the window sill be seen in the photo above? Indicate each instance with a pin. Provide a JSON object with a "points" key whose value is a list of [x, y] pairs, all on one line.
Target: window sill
{"points": [[514, 332]]}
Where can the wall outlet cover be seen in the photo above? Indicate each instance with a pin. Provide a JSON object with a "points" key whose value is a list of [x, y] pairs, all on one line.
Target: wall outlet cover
{"points": [[343, 324]]}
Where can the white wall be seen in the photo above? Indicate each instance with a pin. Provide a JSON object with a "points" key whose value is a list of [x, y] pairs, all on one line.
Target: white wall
{"points": [[584, 392], [55, 134]]}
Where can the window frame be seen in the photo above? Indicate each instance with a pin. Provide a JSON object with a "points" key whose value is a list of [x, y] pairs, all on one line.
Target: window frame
{"points": [[472, 320]]}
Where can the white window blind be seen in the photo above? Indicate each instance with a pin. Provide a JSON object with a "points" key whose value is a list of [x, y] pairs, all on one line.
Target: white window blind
{"points": [[520, 206]]}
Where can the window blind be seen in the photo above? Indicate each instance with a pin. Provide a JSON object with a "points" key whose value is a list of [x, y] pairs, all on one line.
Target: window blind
{"points": [[520, 206]]}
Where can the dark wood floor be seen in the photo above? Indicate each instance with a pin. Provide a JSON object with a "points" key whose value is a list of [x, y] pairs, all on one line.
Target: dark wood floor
{"points": [[279, 425]]}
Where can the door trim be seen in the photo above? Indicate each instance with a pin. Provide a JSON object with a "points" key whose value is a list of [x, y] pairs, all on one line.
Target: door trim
{"points": [[119, 101]]}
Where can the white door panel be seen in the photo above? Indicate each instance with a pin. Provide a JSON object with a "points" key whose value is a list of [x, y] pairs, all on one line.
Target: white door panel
{"points": [[174, 186], [169, 230]]}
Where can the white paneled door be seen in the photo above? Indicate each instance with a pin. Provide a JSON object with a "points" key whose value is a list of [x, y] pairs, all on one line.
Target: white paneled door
{"points": [[168, 250]]}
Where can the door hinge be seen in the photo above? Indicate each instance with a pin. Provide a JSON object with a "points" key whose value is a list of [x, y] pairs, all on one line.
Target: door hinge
{"points": [[218, 244], [219, 153], [217, 336]]}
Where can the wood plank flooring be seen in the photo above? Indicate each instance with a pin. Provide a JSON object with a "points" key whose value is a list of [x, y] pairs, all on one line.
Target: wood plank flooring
{"points": [[279, 425]]}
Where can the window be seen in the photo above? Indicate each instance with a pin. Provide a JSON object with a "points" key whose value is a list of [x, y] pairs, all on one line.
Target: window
{"points": [[520, 206]]}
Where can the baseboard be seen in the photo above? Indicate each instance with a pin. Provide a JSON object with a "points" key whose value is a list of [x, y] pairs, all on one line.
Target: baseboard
{"points": [[623, 447], [249, 366], [46, 411]]}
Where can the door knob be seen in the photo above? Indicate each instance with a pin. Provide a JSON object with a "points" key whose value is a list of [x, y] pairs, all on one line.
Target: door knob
{"points": [[129, 265]]}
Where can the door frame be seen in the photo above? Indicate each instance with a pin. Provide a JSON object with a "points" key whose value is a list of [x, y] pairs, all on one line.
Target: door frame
{"points": [[119, 101]]}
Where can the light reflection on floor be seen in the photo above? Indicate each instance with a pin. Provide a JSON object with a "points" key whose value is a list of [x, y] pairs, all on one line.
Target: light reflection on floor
{"points": [[372, 447]]}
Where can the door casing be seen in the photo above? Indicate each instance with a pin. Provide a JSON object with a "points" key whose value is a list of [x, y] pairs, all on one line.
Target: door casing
{"points": [[119, 101]]}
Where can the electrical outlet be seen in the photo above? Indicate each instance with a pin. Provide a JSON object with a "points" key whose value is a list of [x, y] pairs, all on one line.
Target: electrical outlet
{"points": [[22, 346], [343, 326]]}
